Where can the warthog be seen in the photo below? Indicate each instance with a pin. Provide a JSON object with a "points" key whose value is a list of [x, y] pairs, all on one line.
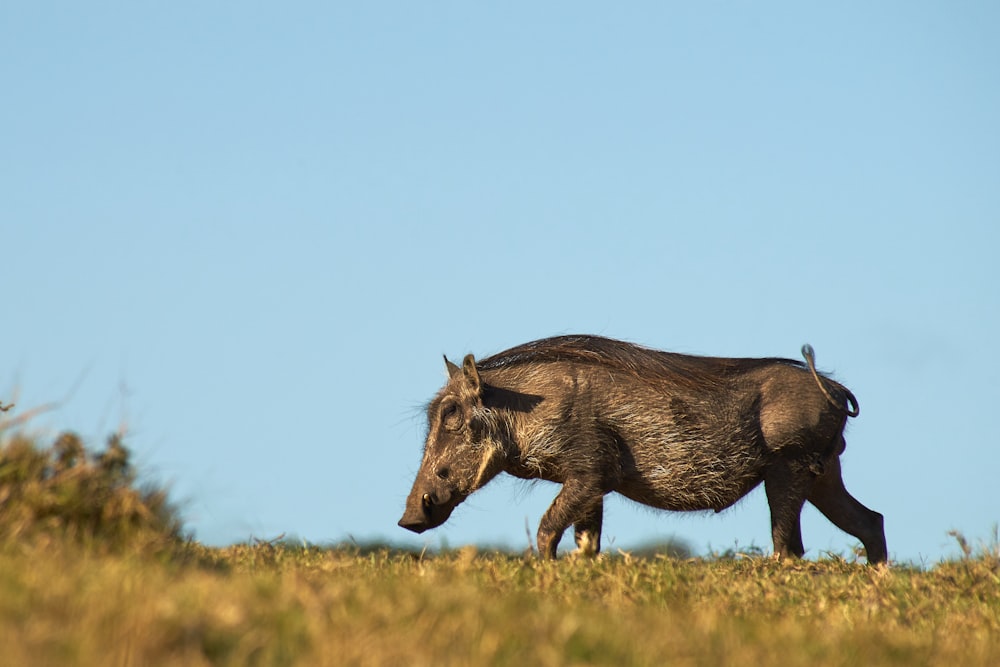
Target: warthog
{"points": [[671, 431]]}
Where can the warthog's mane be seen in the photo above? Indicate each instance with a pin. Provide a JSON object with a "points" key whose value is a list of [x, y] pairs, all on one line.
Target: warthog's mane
{"points": [[646, 363]]}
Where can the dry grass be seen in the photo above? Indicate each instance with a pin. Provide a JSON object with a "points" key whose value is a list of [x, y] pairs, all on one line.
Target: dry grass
{"points": [[67, 601], [277, 605]]}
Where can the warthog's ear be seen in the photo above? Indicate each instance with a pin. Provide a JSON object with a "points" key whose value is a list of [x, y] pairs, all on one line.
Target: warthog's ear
{"points": [[471, 374], [453, 370]]}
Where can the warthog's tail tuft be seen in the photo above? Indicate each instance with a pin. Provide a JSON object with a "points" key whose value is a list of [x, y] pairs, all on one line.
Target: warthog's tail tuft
{"points": [[810, 357]]}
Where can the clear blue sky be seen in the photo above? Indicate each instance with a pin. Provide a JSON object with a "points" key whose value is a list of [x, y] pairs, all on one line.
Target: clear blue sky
{"points": [[248, 231]]}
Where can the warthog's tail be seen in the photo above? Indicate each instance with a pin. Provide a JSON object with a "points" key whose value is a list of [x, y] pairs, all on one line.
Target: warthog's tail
{"points": [[810, 356]]}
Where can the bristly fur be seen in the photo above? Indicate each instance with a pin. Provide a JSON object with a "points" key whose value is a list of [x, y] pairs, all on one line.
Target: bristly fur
{"points": [[651, 365]]}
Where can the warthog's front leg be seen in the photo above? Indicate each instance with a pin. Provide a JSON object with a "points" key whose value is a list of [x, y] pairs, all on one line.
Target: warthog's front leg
{"points": [[577, 502], [587, 530]]}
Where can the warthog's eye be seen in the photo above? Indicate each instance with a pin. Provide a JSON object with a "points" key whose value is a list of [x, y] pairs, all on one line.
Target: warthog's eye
{"points": [[442, 473], [451, 415]]}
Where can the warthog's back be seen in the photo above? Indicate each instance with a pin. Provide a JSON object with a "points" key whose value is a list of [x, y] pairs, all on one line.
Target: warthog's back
{"points": [[655, 367]]}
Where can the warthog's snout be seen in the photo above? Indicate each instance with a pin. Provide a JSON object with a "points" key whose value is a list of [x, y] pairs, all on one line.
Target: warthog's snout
{"points": [[417, 525], [416, 519], [428, 510]]}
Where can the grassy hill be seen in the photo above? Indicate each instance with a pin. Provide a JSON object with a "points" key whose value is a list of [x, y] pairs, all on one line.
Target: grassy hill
{"points": [[119, 585]]}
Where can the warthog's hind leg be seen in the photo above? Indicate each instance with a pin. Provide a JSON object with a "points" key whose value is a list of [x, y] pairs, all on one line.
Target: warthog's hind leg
{"points": [[785, 484], [831, 498]]}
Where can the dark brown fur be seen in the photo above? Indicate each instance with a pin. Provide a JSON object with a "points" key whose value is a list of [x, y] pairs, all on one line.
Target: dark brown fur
{"points": [[672, 431]]}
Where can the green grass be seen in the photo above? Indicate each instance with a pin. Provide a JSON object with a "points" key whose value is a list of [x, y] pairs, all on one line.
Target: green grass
{"points": [[80, 591]]}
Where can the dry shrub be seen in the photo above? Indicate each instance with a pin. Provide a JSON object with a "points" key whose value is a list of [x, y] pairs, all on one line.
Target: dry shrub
{"points": [[66, 491]]}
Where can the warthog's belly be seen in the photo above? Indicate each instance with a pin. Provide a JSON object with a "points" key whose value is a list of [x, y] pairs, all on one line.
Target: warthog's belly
{"points": [[694, 475]]}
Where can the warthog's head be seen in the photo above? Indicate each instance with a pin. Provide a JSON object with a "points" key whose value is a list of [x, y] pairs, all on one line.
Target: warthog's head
{"points": [[460, 454]]}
